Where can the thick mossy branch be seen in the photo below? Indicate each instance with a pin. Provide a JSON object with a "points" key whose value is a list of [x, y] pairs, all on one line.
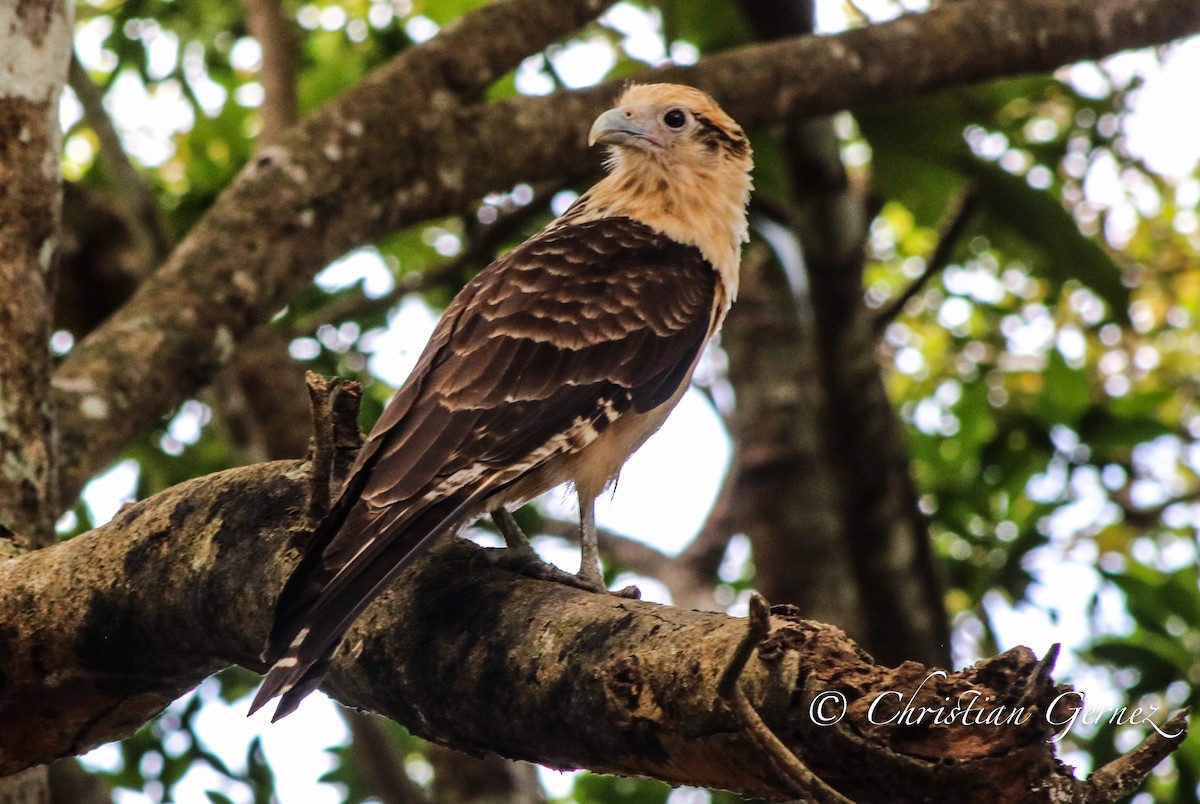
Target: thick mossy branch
{"points": [[98, 634]]}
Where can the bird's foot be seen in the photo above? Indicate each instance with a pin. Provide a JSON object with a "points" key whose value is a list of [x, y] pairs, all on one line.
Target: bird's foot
{"points": [[589, 578], [630, 592], [528, 563]]}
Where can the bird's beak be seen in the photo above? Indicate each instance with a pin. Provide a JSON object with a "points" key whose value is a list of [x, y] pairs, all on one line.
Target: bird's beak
{"points": [[614, 128]]}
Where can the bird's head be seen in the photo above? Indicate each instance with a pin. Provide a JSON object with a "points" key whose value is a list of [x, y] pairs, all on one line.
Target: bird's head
{"points": [[671, 124], [679, 164]]}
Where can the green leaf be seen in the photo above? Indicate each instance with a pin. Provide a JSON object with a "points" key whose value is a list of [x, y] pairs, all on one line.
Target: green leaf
{"points": [[1140, 404], [444, 12], [710, 25], [1113, 438], [1160, 661], [592, 788], [1044, 234], [920, 158], [913, 144], [1065, 395]]}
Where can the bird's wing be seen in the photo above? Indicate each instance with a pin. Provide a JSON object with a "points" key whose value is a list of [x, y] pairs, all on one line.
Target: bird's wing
{"points": [[576, 326], [535, 357]]}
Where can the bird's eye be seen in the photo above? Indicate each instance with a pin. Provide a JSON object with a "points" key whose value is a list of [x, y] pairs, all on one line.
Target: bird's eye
{"points": [[674, 119]]}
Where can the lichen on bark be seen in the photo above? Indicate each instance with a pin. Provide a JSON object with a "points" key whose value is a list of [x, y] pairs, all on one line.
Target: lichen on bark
{"points": [[34, 48]]}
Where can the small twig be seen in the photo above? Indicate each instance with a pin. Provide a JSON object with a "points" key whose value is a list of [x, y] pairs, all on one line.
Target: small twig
{"points": [[336, 438], [759, 625], [800, 779], [322, 447], [134, 196], [951, 230], [1043, 667], [275, 33], [347, 438], [1122, 776]]}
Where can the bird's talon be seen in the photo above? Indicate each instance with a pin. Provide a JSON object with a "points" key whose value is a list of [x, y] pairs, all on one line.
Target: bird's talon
{"points": [[631, 592]]}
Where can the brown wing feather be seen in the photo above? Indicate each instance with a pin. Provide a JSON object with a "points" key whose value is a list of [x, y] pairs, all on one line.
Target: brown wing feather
{"points": [[578, 326], [558, 313]]}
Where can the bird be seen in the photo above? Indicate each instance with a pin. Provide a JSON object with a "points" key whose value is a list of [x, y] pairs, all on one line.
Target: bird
{"points": [[551, 366]]}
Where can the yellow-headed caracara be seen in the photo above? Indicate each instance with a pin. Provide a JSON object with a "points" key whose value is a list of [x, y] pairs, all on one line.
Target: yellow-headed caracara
{"points": [[551, 366]]}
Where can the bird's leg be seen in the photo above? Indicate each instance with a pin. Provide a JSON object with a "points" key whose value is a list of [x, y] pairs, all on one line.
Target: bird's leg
{"points": [[520, 557], [514, 538], [590, 573]]}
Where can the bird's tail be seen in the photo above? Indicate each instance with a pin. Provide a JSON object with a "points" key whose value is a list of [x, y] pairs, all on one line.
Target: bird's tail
{"points": [[352, 556]]}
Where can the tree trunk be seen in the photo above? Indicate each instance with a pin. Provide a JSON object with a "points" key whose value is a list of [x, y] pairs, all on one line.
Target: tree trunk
{"points": [[35, 47]]}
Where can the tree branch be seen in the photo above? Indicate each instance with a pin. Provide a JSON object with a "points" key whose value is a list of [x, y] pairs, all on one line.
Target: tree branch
{"points": [[952, 229], [133, 195], [796, 776], [787, 497], [101, 632], [268, 24], [380, 761], [257, 398], [358, 169], [1125, 774], [480, 249]]}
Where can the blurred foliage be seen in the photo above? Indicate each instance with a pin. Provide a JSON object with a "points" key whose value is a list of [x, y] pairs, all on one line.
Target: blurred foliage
{"points": [[1049, 377], [1047, 374]]}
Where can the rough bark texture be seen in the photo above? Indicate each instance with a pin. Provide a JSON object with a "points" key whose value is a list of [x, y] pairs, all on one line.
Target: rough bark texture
{"points": [[34, 49], [101, 632], [358, 169]]}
